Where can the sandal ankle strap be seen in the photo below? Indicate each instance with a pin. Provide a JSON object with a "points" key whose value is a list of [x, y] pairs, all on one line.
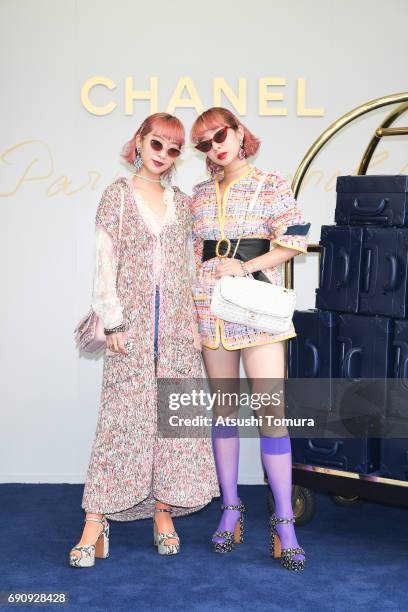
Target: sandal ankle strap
{"points": [[96, 520], [162, 510], [239, 507], [280, 519]]}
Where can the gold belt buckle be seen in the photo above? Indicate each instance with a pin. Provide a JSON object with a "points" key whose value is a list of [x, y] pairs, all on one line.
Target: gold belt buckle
{"points": [[217, 247]]}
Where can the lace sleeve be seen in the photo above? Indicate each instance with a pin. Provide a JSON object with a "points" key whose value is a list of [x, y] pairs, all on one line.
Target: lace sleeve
{"points": [[104, 298]]}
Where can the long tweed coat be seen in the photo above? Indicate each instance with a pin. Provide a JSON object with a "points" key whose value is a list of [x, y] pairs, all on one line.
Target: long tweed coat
{"points": [[131, 465]]}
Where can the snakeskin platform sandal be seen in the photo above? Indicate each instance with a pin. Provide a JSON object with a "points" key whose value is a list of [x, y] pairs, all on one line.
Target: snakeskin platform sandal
{"points": [[88, 552], [231, 537], [160, 538], [286, 554]]}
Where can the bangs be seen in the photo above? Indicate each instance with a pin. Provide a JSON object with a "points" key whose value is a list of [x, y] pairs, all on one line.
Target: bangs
{"points": [[210, 120], [171, 129]]}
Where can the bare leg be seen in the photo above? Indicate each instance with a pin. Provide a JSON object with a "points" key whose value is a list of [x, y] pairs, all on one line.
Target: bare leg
{"points": [[264, 365]]}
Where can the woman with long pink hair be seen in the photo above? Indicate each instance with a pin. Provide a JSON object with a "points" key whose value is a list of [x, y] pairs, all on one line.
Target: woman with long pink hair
{"points": [[220, 217], [142, 292]]}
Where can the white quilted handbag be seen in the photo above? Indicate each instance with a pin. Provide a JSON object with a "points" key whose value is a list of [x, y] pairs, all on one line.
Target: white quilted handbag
{"points": [[244, 300], [258, 304]]}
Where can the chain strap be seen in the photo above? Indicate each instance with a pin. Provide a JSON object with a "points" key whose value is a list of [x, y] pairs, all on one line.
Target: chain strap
{"points": [[249, 210]]}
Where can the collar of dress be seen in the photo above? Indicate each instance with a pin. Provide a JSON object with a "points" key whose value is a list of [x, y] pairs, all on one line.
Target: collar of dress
{"points": [[168, 199], [222, 204]]}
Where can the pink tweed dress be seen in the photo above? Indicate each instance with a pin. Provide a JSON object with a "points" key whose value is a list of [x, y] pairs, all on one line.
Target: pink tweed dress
{"points": [[131, 464]]}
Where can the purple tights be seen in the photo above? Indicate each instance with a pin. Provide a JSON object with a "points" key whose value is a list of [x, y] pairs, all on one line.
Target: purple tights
{"points": [[276, 456], [225, 440]]}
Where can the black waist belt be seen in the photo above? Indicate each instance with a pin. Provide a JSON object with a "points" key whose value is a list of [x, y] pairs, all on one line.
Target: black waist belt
{"points": [[248, 248]]}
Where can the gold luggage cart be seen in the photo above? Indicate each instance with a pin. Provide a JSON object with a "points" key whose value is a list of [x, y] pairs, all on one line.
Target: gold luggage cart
{"points": [[345, 488]]}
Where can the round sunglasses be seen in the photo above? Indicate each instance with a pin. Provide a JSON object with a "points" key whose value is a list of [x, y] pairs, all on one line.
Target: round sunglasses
{"points": [[205, 145], [158, 146]]}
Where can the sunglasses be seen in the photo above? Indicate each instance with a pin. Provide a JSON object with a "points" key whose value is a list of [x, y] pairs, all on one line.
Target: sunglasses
{"points": [[158, 146], [205, 145]]}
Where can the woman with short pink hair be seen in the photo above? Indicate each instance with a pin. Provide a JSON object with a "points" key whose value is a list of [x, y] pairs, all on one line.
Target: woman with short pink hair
{"points": [[220, 217], [142, 292]]}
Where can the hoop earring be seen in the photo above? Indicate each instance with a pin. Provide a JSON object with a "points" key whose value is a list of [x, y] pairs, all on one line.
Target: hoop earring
{"points": [[241, 153], [138, 163]]}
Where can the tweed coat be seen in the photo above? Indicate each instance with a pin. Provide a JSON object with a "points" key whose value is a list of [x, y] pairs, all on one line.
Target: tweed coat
{"points": [[131, 464], [275, 216]]}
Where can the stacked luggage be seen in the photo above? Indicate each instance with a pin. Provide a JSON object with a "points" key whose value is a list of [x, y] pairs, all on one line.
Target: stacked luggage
{"points": [[358, 330]]}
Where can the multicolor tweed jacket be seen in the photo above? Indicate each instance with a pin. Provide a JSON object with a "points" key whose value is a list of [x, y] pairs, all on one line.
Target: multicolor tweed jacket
{"points": [[275, 216]]}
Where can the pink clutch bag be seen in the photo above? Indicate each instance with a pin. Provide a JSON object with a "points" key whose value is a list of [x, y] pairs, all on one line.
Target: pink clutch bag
{"points": [[89, 333]]}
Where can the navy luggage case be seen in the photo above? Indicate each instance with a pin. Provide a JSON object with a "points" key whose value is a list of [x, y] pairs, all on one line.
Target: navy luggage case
{"points": [[394, 458], [384, 272], [372, 200], [360, 348], [339, 268], [396, 424], [348, 454]]}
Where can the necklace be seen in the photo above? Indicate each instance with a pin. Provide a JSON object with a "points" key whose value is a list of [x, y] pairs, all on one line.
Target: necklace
{"points": [[146, 178]]}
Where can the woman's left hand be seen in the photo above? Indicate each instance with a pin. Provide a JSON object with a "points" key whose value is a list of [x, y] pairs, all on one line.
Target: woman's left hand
{"points": [[228, 267]]}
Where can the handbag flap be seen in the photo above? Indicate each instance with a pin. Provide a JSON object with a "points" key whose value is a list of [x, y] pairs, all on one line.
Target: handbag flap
{"points": [[257, 296]]}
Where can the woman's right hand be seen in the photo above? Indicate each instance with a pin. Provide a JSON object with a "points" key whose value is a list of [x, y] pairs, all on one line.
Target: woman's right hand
{"points": [[116, 342]]}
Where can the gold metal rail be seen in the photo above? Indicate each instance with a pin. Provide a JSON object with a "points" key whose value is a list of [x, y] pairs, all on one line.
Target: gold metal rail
{"points": [[325, 137], [336, 126]]}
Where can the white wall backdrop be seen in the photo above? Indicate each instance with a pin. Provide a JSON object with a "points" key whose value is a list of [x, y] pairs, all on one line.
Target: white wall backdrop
{"points": [[56, 157]]}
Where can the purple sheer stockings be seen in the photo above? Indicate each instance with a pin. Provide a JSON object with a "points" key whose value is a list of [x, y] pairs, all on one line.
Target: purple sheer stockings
{"points": [[225, 441], [276, 456], [277, 460]]}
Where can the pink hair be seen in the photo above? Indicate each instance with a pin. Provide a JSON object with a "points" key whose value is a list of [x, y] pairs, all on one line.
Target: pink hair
{"points": [[215, 117], [162, 124]]}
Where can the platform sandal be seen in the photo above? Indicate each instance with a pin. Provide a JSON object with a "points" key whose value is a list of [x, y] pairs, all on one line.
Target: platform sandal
{"points": [[159, 538], [231, 537], [89, 551], [285, 554]]}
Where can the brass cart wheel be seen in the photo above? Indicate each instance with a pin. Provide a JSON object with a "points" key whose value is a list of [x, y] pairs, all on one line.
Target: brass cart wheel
{"points": [[303, 504], [347, 500]]}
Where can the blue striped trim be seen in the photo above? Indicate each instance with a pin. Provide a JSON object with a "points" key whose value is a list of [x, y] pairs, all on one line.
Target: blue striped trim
{"points": [[299, 230]]}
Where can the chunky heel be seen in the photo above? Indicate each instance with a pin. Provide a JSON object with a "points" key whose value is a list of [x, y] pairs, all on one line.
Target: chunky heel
{"points": [[285, 554], [230, 537], [90, 551], [102, 545]]}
